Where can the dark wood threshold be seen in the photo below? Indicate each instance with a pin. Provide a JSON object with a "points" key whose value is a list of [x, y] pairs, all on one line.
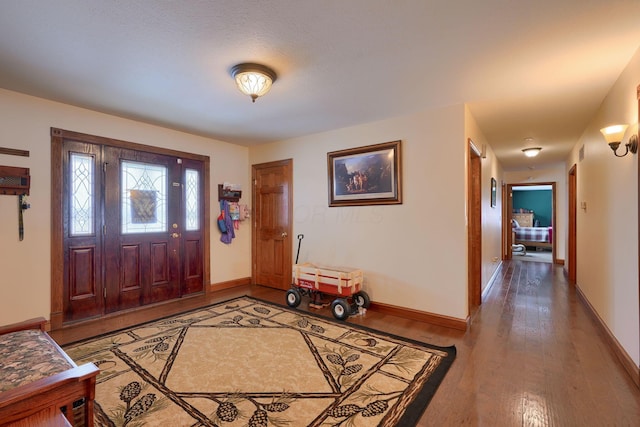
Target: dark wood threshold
{"points": [[127, 318], [195, 300], [627, 363]]}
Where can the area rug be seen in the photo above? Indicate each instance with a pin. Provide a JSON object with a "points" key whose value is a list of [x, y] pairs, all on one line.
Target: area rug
{"points": [[247, 362]]}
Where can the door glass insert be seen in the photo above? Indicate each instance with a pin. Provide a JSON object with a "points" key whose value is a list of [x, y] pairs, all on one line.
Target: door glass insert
{"points": [[143, 198], [192, 204], [82, 206]]}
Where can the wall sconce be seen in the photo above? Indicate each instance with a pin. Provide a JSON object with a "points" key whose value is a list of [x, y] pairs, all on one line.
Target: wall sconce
{"points": [[532, 151], [613, 135], [253, 79]]}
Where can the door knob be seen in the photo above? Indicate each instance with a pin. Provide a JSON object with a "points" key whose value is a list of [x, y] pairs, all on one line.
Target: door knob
{"points": [[284, 234], [175, 235]]}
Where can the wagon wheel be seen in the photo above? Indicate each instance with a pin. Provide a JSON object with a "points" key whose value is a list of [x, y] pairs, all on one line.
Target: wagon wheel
{"points": [[340, 309], [293, 297], [362, 299]]}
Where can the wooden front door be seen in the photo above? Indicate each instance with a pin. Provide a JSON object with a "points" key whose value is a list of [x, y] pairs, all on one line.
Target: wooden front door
{"points": [[272, 202], [133, 227], [142, 232]]}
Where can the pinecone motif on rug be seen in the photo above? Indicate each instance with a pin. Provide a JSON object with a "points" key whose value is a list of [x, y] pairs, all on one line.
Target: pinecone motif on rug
{"points": [[246, 362]]}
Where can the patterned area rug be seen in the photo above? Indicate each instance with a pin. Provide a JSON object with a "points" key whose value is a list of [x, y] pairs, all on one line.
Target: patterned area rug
{"points": [[246, 362]]}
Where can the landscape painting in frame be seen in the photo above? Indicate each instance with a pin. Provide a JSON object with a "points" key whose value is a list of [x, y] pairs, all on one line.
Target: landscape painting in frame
{"points": [[367, 175]]}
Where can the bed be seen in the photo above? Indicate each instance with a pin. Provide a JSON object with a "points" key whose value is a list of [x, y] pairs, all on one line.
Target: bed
{"points": [[532, 236], [39, 383]]}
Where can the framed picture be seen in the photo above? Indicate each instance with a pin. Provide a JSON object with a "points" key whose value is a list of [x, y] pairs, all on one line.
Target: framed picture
{"points": [[369, 175], [493, 192]]}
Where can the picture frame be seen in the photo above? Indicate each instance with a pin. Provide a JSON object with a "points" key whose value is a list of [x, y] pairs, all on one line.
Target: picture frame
{"points": [[494, 190], [368, 175]]}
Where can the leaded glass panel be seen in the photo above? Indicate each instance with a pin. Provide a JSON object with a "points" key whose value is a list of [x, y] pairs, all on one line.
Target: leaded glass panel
{"points": [[144, 198], [192, 202], [81, 219]]}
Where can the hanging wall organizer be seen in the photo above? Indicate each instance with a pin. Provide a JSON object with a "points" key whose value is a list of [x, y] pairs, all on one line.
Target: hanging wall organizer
{"points": [[16, 182]]}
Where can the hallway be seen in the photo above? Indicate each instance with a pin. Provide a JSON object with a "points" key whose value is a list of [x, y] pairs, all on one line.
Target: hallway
{"points": [[534, 357]]}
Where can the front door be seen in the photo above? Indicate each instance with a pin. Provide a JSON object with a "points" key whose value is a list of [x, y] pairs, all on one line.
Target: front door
{"points": [[134, 227], [142, 228], [272, 193]]}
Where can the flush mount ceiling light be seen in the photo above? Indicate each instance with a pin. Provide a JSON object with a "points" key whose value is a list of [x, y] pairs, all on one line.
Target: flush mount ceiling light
{"points": [[253, 79], [613, 135], [531, 151]]}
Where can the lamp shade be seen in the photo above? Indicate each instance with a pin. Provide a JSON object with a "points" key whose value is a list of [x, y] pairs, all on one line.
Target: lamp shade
{"points": [[253, 79], [532, 151], [614, 133]]}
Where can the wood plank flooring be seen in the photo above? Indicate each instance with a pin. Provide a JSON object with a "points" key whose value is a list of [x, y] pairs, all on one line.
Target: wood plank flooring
{"points": [[531, 357]]}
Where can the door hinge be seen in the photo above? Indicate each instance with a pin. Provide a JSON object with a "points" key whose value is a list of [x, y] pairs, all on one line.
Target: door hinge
{"points": [[104, 167], [104, 293], [104, 229]]}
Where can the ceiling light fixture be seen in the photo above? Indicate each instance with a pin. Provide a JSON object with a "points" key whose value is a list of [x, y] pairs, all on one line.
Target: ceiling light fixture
{"points": [[613, 135], [531, 151], [253, 79]]}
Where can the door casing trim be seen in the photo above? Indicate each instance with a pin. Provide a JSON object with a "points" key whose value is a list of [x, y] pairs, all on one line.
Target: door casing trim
{"points": [[57, 233]]}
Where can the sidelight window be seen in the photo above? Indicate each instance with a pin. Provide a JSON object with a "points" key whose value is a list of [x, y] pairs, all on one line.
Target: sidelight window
{"points": [[192, 204], [82, 203]]}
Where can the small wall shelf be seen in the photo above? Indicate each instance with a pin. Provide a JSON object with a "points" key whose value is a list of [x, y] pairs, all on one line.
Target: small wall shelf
{"points": [[14, 181], [228, 194]]}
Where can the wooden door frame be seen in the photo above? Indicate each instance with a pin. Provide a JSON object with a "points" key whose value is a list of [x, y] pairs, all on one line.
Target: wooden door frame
{"points": [[638, 189], [57, 210], [572, 225], [507, 253], [474, 226], [254, 224], [506, 223]]}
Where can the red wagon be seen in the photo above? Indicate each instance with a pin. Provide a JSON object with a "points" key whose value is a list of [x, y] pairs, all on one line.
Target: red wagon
{"points": [[316, 281]]}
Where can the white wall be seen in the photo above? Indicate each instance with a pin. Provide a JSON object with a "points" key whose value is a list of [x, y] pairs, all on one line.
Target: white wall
{"points": [[491, 216], [607, 231], [556, 174], [25, 124], [413, 255]]}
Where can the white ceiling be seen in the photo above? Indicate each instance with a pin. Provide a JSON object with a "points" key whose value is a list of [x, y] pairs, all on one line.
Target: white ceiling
{"points": [[526, 68]]}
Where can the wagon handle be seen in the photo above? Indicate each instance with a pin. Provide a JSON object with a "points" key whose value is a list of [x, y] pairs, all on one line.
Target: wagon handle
{"points": [[300, 237]]}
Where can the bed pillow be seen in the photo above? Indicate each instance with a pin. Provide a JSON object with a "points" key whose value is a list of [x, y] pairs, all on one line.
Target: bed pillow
{"points": [[514, 223]]}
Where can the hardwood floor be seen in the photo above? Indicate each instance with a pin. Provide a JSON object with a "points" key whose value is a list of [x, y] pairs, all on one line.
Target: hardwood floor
{"points": [[531, 357]]}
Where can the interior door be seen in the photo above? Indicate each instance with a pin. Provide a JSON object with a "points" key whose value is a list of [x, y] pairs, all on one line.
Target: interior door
{"points": [[272, 202], [474, 230], [573, 217], [142, 228]]}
